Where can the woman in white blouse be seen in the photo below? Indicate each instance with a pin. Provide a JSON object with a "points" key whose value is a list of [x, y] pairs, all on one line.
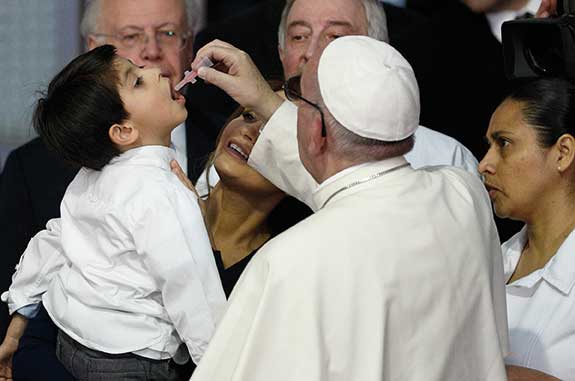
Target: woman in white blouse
{"points": [[529, 172]]}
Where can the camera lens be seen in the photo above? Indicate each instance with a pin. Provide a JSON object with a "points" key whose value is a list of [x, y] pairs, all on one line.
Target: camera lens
{"points": [[543, 52]]}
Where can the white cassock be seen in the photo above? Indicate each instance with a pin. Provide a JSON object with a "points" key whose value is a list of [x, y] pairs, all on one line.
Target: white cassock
{"points": [[397, 278]]}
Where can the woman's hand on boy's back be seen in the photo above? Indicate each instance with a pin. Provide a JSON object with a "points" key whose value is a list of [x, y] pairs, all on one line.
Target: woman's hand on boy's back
{"points": [[177, 170]]}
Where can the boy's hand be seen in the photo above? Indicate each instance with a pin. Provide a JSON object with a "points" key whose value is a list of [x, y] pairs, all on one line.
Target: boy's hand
{"points": [[7, 350]]}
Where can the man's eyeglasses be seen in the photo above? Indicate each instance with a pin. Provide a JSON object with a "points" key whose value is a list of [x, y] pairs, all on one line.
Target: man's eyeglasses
{"points": [[292, 91], [166, 38]]}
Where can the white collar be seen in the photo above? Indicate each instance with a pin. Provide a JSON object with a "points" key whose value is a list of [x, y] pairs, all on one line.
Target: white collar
{"points": [[559, 271], [178, 138], [340, 174], [152, 155], [356, 174]]}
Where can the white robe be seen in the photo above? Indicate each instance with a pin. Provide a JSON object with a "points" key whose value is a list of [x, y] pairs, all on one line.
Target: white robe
{"points": [[398, 278]]}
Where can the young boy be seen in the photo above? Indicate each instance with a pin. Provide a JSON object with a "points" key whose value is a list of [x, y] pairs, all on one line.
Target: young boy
{"points": [[127, 273]]}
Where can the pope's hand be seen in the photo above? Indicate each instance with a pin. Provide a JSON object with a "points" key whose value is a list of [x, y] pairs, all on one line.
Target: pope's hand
{"points": [[236, 74]]}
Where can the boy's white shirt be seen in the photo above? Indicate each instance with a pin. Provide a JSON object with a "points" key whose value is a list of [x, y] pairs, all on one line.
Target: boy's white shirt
{"points": [[129, 266], [178, 138]]}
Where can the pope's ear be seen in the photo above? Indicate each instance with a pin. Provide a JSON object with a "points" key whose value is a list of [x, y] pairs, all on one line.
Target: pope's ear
{"points": [[317, 140], [123, 135]]}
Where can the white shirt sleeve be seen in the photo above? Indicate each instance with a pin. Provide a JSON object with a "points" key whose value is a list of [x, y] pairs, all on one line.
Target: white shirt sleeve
{"points": [[38, 265], [30, 311], [276, 156], [463, 158], [434, 148], [172, 238]]}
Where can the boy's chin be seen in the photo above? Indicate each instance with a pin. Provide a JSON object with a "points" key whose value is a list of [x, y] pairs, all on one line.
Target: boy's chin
{"points": [[183, 117]]}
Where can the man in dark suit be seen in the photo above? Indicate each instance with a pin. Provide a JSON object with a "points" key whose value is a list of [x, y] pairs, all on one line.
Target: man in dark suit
{"points": [[256, 32], [469, 80], [469, 77], [425, 6], [155, 33]]}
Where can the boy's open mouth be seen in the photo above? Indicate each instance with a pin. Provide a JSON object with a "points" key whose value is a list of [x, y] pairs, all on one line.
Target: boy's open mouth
{"points": [[175, 95]]}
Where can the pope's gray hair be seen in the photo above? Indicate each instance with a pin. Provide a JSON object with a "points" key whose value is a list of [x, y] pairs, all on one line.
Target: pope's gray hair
{"points": [[359, 149], [89, 24], [374, 14]]}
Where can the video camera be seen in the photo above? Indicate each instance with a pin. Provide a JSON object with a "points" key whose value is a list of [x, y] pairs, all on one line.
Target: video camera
{"points": [[541, 47]]}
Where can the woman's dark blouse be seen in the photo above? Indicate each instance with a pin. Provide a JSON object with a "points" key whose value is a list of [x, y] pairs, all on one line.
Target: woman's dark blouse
{"points": [[231, 275], [289, 212]]}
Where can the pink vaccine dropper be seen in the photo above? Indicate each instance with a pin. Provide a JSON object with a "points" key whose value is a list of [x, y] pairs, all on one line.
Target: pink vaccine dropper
{"points": [[190, 75]]}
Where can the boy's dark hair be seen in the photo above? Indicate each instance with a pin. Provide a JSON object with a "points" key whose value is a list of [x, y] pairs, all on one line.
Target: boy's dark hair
{"points": [[81, 104]]}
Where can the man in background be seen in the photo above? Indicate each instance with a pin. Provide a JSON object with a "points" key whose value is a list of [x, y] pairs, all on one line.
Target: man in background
{"points": [[303, 25], [256, 32], [469, 80]]}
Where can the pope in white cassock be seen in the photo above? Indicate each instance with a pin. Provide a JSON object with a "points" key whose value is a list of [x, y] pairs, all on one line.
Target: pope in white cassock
{"points": [[398, 274]]}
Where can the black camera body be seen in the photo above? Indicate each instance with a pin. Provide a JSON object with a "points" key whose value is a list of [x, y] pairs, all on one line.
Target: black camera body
{"points": [[541, 47]]}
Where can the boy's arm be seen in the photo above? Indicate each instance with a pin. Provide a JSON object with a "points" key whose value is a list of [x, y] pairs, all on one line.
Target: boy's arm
{"points": [[516, 373], [10, 344], [172, 238], [38, 265]]}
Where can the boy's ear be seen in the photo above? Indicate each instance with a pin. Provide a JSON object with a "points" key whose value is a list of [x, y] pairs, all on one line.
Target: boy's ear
{"points": [[123, 135]]}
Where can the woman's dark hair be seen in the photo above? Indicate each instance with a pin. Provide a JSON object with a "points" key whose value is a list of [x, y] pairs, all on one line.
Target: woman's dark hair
{"points": [[81, 104], [548, 106], [276, 85], [289, 211]]}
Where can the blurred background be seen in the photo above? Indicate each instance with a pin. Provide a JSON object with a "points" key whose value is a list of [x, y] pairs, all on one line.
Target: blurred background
{"points": [[38, 37]]}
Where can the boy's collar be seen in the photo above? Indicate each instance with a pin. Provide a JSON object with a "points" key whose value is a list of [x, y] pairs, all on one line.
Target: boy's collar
{"points": [[154, 155]]}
